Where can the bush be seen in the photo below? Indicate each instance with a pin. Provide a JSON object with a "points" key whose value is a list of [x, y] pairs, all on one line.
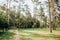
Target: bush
{"points": [[24, 23]]}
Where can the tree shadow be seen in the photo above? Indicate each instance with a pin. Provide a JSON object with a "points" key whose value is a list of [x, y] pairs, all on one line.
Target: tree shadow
{"points": [[6, 35]]}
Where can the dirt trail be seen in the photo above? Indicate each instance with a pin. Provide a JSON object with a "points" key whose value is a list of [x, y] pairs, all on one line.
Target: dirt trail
{"points": [[17, 35]]}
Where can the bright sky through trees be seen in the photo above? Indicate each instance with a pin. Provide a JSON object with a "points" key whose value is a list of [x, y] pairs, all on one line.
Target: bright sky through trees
{"points": [[28, 2]]}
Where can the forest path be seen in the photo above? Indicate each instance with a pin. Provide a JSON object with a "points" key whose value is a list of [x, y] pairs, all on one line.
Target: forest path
{"points": [[17, 35]]}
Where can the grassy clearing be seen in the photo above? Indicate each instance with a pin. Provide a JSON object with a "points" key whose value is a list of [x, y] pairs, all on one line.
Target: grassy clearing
{"points": [[39, 34], [31, 34]]}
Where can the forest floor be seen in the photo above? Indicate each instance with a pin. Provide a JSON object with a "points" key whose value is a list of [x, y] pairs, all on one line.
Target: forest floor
{"points": [[31, 34]]}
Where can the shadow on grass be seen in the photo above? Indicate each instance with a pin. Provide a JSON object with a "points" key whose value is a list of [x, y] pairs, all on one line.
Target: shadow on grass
{"points": [[6, 35]]}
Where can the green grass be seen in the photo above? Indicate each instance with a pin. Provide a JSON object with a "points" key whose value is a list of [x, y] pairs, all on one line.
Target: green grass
{"points": [[39, 34], [6, 35], [31, 34]]}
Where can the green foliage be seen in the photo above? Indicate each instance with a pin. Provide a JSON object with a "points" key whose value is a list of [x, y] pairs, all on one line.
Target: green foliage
{"points": [[58, 21], [19, 22], [3, 21], [28, 23]]}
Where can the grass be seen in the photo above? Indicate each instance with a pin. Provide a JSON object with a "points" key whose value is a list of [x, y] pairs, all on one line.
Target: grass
{"points": [[31, 34], [39, 34], [6, 35]]}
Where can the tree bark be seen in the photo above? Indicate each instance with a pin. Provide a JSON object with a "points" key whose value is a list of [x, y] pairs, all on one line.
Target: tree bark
{"points": [[50, 26], [53, 14]]}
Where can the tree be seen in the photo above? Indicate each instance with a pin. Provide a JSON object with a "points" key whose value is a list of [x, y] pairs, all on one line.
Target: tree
{"points": [[49, 4], [7, 11], [53, 14], [3, 21]]}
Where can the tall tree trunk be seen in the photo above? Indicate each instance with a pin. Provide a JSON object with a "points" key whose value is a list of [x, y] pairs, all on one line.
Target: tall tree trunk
{"points": [[50, 26], [53, 14], [19, 14], [7, 12]]}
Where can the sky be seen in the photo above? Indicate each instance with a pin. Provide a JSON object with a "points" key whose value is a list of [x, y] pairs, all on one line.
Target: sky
{"points": [[28, 2]]}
